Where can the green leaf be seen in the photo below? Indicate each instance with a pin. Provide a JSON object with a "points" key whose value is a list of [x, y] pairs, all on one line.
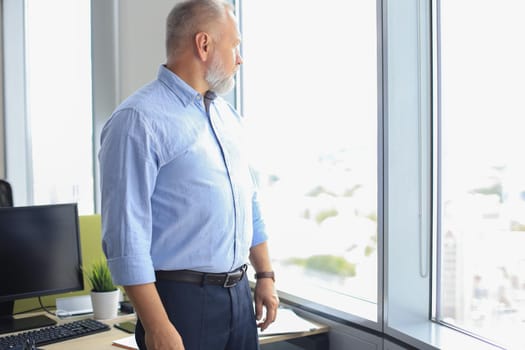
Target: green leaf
{"points": [[99, 277]]}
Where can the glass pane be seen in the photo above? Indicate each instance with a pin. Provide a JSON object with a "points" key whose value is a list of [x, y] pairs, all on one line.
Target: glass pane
{"points": [[59, 101], [310, 101], [483, 172]]}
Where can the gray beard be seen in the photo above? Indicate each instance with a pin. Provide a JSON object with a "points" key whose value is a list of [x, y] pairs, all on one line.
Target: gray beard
{"points": [[217, 81]]}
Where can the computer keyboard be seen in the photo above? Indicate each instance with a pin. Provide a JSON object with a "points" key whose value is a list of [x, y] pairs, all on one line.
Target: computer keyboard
{"points": [[52, 334]]}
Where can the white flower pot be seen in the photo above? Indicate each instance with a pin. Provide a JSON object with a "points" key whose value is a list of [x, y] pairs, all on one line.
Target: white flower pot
{"points": [[105, 304]]}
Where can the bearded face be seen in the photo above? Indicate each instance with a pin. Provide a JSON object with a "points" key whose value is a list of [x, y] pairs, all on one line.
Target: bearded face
{"points": [[218, 78]]}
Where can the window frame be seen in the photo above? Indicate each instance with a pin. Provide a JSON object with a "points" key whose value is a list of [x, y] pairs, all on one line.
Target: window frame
{"points": [[404, 319], [17, 136], [16, 131], [408, 152], [105, 75]]}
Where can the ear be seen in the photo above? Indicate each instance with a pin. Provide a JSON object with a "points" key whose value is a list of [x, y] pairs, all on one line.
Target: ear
{"points": [[203, 45]]}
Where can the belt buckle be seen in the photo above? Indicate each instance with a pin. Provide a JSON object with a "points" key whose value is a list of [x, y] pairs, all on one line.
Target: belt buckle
{"points": [[229, 275], [228, 283]]}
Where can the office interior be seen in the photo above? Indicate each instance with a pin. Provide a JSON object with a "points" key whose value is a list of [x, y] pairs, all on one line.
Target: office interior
{"points": [[127, 48]]}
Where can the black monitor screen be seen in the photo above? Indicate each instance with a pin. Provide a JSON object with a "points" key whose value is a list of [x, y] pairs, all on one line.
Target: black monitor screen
{"points": [[39, 251]]}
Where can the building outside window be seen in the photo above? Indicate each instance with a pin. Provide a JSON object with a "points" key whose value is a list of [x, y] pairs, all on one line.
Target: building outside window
{"points": [[482, 193]]}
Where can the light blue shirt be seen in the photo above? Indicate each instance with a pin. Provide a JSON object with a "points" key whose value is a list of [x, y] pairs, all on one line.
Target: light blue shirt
{"points": [[177, 191]]}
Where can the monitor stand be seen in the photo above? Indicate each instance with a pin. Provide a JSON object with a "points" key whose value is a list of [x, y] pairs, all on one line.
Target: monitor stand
{"points": [[9, 324]]}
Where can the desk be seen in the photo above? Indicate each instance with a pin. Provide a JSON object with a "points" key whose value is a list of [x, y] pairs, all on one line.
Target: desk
{"points": [[99, 341], [103, 340]]}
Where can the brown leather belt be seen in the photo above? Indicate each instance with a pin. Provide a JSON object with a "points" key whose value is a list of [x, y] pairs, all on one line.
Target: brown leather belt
{"points": [[227, 279]]}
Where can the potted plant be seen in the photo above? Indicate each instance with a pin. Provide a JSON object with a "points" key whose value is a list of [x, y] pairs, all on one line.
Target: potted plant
{"points": [[104, 294]]}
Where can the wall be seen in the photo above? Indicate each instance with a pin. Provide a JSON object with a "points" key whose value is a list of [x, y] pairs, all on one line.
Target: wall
{"points": [[141, 42], [346, 337], [128, 48]]}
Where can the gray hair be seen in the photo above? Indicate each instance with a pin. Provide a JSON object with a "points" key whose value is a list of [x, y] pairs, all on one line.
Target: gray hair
{"points": [[189, 17]]}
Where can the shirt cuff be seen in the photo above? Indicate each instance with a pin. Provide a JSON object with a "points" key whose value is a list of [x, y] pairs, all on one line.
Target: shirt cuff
{"points": [[132, 270]]}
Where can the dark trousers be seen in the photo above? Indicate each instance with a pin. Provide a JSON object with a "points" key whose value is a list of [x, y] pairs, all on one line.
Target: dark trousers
{"points": [[208, 317]]}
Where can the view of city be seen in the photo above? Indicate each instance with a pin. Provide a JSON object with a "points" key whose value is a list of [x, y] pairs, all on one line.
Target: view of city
{"points": [[483, 172]]}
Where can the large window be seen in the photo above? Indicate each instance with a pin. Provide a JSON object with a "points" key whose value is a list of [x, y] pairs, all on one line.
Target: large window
{"points": [[59, 100], [54, 162], [482, 169], [309, 96]]}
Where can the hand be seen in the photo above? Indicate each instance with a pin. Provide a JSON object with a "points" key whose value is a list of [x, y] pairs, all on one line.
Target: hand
{"points": [[166, 338], [265, 295]]}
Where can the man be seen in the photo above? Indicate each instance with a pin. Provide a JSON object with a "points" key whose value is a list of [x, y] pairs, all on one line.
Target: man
{"points": [[179, 208]]}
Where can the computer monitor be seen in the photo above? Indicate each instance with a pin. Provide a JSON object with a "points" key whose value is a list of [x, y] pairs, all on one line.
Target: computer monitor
{"points": [[39, 255]]}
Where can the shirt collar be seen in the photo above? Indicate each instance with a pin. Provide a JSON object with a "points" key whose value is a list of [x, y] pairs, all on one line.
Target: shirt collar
{"points": [[179, 87]]}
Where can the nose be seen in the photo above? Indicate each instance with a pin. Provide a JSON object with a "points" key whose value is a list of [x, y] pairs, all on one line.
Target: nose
{"points": [[238, 58]]}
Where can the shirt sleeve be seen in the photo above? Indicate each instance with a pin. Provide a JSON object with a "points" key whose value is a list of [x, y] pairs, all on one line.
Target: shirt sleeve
{"points": [[128, 169], [259, 228]]}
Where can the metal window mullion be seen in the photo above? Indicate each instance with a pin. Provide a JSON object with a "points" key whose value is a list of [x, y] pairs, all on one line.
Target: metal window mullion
{"points": [[437, 199], [17, 126]]}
